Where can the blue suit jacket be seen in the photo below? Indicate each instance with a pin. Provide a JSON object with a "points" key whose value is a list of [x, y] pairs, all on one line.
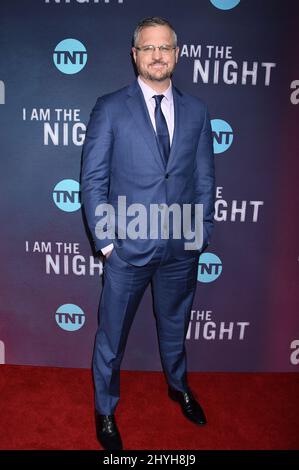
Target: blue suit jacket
{"points": [[121, 157]]}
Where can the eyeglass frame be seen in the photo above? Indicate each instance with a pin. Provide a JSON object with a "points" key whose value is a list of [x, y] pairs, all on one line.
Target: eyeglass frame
{"points": [[153, 48]]}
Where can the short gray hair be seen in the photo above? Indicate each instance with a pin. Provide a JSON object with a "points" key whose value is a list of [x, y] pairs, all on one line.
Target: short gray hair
{"points": [[153, 21]]}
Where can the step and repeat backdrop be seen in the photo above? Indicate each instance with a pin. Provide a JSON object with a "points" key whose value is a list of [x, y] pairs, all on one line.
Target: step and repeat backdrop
{"points": [[238, 56]]}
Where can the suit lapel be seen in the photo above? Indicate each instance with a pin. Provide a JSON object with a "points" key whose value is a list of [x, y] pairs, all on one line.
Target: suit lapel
{"points": [[140, 114], [179, 116]]}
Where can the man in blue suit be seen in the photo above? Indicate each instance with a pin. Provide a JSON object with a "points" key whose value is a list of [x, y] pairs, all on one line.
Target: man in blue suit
{"points": [[147, 145]]}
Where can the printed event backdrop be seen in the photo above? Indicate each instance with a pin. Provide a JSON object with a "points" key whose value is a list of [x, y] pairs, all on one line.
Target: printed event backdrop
{"points": [[241, 58]]}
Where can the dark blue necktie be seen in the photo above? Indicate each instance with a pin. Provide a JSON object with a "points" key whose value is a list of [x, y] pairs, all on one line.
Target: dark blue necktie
{"points": [[161, 128]]}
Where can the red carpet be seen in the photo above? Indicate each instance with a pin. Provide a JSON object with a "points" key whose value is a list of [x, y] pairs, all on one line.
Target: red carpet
{"points": [[52, 408]]}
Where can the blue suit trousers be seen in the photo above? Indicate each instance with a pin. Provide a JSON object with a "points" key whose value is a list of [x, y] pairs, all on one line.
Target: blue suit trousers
{"points": [[173, 286]]}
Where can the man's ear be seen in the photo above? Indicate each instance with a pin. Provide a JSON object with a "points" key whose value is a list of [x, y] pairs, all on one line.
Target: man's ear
{"points": [[133, 50]]}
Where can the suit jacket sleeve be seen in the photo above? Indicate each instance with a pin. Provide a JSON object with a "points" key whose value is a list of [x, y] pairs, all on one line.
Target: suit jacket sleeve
{"points": [[95, 174], [205, 179]]}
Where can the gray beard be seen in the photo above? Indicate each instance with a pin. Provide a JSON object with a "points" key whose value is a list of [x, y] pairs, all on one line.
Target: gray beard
{"points": [[149, 76]]}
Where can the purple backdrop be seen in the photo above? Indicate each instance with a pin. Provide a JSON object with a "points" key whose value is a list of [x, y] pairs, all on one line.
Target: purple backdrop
{"points": [[242, 62]]}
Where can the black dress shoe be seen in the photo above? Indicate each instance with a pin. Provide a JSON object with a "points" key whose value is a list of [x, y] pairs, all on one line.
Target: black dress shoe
{"points": [[107, 433], [190, 407]]}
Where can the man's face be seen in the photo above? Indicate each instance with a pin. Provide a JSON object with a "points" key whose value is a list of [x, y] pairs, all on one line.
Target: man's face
{"points": [[155, 66]]}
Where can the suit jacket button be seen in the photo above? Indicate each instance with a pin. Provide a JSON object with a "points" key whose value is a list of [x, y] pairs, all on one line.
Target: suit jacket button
{"points": [[167, 176]]}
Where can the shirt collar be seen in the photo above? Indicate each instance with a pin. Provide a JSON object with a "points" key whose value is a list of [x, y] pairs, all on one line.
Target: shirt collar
{"points": [[149, 92]]}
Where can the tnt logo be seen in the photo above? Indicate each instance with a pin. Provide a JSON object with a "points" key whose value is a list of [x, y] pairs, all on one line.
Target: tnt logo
{"points": [[70, 56], [225, 4], [222, 135], [209, 267], [66, 195], [2, 92], [70, 317]]}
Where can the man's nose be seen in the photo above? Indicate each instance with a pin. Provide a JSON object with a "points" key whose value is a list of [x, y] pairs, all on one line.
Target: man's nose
{"points": [[157, 54]]}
